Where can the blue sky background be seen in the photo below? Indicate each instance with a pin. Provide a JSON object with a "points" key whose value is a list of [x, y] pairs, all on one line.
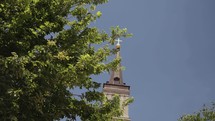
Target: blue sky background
{"points": [[170, 60]]}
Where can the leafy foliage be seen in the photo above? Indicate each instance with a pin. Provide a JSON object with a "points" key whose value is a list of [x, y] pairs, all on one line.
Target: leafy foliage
{"points": [[41, 62], [205, 114]]}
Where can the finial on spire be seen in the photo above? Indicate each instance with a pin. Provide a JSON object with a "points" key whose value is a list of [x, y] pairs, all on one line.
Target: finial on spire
{"points": [[118, 43]]}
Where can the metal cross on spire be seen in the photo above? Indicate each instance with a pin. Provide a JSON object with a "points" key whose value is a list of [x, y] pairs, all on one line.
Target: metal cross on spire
{"points": [[118, 43]]}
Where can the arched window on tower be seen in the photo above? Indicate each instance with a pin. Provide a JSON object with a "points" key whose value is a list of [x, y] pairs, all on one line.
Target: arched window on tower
{"points": [[116, 80]]}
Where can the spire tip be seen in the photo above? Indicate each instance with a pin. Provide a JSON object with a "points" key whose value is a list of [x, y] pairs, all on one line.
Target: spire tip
{"points": [[118, 43]]}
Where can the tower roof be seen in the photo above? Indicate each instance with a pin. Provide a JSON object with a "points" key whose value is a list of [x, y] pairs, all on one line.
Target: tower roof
{"points": [[116, 75]]}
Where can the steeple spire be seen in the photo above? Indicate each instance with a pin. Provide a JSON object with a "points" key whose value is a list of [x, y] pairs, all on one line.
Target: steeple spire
{"points": [[116, 75]]}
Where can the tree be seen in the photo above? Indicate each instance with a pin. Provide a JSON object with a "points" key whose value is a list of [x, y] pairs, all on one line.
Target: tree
{"points": [[205, 114], [46, 51]]}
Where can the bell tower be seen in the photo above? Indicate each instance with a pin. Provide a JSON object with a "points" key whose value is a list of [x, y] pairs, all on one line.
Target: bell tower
{"points": [[116, 86]]}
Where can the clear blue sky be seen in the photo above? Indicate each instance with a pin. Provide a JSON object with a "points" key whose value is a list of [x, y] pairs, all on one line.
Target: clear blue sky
{"points": [[170, 61]]}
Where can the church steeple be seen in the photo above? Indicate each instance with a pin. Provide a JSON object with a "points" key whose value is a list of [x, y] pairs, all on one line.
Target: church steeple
{"points": [[116, 75], [116, 86]]}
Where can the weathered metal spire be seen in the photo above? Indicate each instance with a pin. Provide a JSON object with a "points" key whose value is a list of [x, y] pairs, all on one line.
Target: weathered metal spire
{"points": [[116, 75]]}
